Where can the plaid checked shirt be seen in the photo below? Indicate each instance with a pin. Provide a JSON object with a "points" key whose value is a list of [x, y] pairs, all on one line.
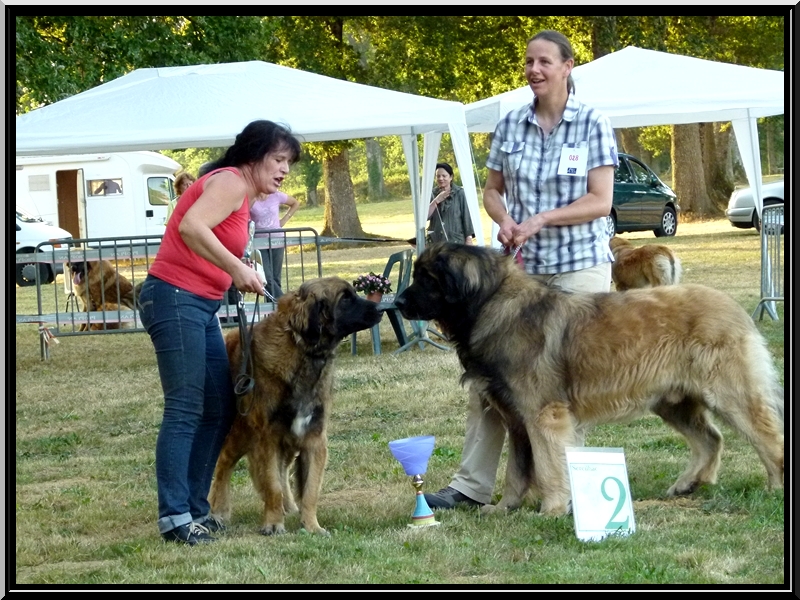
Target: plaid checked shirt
{"points": [[529, 163]]}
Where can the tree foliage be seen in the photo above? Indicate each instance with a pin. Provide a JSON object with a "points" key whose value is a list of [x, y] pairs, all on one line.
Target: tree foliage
{"points": [[58, 57], [463, 58]]}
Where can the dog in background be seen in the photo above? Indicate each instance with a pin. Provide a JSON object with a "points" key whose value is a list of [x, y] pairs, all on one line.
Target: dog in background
{"points": [[282, 422], [99, 287], [554, 364], [644, 266]]}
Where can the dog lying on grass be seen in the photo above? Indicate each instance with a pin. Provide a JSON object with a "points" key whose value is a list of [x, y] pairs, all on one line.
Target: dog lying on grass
{"points": [[99, 287]]}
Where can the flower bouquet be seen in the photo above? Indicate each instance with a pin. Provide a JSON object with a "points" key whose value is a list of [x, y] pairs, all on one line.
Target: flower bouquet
{"points": [[373, 285]]}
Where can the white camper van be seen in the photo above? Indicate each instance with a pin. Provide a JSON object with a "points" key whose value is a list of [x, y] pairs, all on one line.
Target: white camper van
{"points": [[98, 195]]}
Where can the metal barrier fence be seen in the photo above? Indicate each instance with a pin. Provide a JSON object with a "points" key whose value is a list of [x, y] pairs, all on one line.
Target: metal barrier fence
{"points": [[101, 276], [771, 261]]}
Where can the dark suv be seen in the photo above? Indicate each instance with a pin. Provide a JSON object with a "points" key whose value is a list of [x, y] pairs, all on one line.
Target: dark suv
{"points": [[642, 202]]}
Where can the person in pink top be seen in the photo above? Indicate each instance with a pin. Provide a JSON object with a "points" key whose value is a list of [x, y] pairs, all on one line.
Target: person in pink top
{"points": [[266, 215], [199, 257]]}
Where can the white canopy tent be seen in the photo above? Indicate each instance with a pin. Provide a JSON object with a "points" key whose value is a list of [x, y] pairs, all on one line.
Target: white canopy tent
{"points": [[208, 105], [636, 87]]}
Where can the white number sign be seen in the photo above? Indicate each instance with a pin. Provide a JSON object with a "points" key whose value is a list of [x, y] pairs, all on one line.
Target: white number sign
{"points": [[601, 497]]}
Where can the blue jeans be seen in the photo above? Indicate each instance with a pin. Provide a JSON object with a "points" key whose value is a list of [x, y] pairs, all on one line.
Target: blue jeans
{"points": [[199, 404]]}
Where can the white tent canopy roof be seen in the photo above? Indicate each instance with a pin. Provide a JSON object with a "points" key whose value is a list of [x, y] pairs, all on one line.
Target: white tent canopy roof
{"points": [[208, 105], [635, 87]]}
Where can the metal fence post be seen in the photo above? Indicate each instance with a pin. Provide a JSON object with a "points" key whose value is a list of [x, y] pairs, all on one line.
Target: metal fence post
{"points": [[771, 262]]}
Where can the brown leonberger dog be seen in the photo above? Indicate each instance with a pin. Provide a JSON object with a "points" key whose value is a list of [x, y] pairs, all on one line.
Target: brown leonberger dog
{"points": [[643, 266], [99, 287], [554, 364], [283, 421]]}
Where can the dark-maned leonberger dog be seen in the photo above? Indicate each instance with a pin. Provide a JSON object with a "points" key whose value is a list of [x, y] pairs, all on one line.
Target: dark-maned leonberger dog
{"points": [[643, 266], [99, 287], [554, 363], [284, 419]]}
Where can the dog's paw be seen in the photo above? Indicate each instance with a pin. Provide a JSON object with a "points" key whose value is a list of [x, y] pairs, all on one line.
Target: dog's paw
{"points": [[682, 488], [489, 509], [557, 510], [273, 529], [316, 531], [556, 505]]}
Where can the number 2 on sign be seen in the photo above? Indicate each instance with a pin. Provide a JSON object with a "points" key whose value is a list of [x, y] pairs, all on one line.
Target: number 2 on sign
{"points": [[612, 524]]}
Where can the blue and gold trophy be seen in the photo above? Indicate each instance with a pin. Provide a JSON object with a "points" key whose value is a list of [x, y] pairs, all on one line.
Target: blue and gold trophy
{"points": [[413, 453]]}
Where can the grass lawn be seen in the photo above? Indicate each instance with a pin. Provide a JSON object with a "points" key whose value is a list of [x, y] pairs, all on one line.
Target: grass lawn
{"points": [[86, 420]]}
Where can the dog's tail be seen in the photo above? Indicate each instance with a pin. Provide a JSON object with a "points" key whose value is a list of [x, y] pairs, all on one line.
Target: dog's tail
{"points": [[764, 372], [669, 269]]}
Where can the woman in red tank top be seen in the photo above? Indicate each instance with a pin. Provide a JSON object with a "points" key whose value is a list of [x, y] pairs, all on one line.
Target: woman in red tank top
{"points": [[200, 255]]}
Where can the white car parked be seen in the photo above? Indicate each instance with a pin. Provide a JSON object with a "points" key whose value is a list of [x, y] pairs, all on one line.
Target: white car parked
{"points": [[31, 231], [741, 210]]}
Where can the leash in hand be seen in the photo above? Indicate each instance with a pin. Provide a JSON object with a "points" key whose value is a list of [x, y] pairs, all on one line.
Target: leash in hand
{"points": [[514, 253]]}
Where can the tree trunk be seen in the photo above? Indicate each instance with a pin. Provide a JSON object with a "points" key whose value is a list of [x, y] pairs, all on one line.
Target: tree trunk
{"points": [[719, 185], [735, 159], [724, 152], [341, 217], [688, 178], [312, 197], [603, 35], [771, 162], [376, 188], [630, 143]]}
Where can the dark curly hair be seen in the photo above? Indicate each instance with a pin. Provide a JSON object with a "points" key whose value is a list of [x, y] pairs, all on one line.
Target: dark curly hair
{"points": [[255, 141]]}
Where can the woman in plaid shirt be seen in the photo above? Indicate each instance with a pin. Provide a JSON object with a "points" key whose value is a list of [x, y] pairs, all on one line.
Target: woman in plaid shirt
{"points": [[553, 160]]}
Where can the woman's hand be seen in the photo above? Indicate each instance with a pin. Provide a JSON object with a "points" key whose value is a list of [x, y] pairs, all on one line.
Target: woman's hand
{"points": [[527, 229], [247, 279], [292, 205], [441, 196], [436, 201], [505, 234]]}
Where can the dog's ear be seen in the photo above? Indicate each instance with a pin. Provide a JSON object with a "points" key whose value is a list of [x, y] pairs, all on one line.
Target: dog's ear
{"points": [[313, 315], [294, 306], [463, 273], [449, 277], [319, 320]]}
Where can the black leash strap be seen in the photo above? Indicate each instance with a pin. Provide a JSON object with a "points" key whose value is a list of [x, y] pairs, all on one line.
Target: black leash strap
{"points": [[245, 382]]}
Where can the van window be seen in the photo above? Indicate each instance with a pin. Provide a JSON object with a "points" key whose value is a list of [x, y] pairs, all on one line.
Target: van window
{"points": [[640, 174], [159, 190], [39, 183], [622, 174], [104, 187]]}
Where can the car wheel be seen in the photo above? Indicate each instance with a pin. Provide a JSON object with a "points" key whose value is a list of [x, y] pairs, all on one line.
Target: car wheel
{"points": [[611, 225], [26, 274], [757, 221], [669, 223]]}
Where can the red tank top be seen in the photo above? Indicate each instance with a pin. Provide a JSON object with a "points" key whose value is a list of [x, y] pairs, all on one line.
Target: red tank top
{"points": [[177, 264]]}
